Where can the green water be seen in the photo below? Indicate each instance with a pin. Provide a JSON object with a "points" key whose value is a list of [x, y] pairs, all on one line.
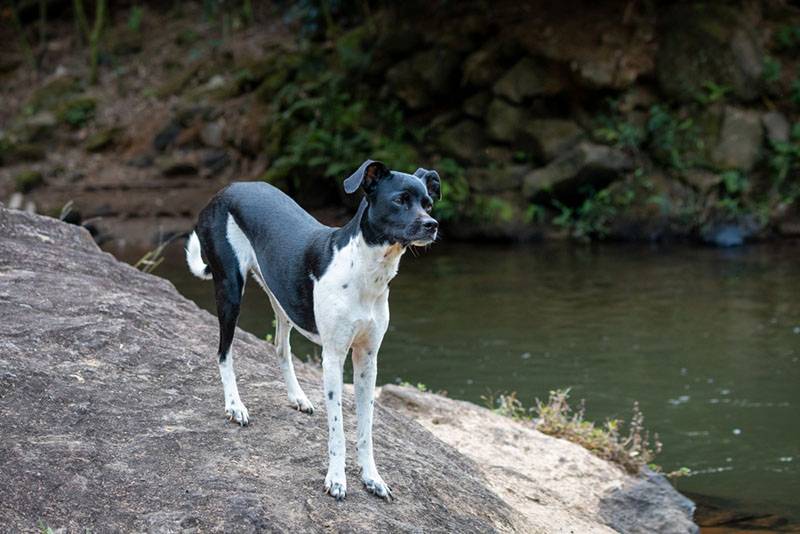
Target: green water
{"points": [[707, 340]]}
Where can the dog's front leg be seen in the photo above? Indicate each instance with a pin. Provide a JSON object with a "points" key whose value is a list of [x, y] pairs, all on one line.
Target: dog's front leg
{"points": [[365, 370], [332, 367]]}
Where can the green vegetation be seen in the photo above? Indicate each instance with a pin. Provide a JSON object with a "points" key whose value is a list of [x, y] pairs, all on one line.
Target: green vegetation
{"points": [[27, 181], [632, 450], [674, 139], [77, 111], [321, 125], [612, 128]]}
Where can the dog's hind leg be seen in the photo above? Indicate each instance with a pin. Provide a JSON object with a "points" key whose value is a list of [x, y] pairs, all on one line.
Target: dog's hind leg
{"points": [[229, 297], [283, 329]]}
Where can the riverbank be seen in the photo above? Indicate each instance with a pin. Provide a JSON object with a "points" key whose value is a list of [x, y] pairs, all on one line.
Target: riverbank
{"points": [[111, 420], [619, 122]]}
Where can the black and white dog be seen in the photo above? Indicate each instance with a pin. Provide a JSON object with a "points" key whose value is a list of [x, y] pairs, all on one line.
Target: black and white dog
{"points": [[331, 284]]}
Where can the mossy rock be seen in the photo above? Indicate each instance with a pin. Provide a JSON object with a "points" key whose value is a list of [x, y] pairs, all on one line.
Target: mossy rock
{"points": [[19, 152], [53, 93], [27, 181], [102, 140], [709, 42], [77, 111]]}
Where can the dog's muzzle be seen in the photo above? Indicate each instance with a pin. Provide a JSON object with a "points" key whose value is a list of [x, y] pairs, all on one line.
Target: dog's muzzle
{"points": [[426, 232]]}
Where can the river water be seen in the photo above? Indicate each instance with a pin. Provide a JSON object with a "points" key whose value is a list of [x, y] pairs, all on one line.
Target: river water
{"points": [[706, 340]]}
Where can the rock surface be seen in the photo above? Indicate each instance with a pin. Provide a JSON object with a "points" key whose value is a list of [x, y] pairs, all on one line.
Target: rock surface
{"points": [[111, 419], [550, 482], [111, 415]]}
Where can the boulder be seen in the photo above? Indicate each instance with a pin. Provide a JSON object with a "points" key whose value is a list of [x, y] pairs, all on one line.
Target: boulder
{"points": [[708, 42], [585, 164], [112, 415], [504, 120], [483, 67], [776, 126], [603, 498], [739, 142], [527, 78], [550, 137], [418, 80], [477, 105], [496, 180], [465, 140]]}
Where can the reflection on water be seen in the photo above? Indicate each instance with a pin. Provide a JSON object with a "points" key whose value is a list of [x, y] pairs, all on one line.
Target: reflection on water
{"points": [[708, 341]]}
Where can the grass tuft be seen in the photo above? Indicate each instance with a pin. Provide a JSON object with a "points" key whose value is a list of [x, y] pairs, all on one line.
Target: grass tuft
{"points": [[631, 450]]}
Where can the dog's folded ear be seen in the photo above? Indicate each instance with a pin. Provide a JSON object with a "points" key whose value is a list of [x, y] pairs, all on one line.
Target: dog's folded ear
{"points": [[366, 176], [431, 181]]}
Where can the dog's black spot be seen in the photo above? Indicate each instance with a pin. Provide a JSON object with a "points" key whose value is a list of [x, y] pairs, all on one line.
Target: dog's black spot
{"points": [[344, 286], [361, 375], [330, 395], [335, 417], [376, 279], [333, 453], [369, 353], [351, 264]]}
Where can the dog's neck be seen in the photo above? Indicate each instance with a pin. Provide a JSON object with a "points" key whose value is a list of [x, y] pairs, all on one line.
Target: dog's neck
{"points": [[374, 260]]}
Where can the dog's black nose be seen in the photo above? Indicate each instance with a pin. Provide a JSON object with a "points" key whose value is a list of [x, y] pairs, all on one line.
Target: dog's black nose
{"points": [[430, 225]]}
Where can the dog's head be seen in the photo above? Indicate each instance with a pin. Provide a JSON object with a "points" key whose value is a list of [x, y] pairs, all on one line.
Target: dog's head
{"points": [[399, 203]]}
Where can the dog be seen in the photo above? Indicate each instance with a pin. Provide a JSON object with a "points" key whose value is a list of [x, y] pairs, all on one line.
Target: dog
{"points": [[329, 284]]}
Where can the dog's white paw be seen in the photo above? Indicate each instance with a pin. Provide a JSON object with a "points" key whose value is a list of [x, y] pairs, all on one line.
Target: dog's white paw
{"points": [[237, 413], [376, 486], [336, 486], [301, 403]]}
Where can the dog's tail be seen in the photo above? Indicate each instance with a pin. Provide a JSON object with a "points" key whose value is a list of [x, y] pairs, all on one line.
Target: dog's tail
{"points": [[194, 259]]}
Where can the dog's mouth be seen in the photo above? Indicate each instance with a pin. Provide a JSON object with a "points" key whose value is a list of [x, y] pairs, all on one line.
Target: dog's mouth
{"points": [[424, 240]]}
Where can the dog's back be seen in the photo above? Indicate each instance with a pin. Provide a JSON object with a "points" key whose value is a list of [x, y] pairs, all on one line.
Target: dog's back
{"points": [[269, 232]]}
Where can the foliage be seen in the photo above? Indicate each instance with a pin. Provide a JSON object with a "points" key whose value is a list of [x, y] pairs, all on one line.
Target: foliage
{"points": [[28, 180], [135, 18], [632, 450], [593, 217], [613, 129], [455, 191], [713, 93], [77, 112], [772, 69], [675, 137], [787, 38], [784, 161], [322, 128]]}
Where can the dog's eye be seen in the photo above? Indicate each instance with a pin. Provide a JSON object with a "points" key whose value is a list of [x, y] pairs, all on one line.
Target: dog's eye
{"points": [[401, 200], [428, 207]]}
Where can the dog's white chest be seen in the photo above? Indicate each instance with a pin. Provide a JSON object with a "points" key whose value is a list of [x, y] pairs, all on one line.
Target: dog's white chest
{"points": [[351, 298]]}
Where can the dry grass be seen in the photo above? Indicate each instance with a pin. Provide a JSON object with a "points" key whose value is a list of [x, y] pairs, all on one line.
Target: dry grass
{"points": [[632, 450]]}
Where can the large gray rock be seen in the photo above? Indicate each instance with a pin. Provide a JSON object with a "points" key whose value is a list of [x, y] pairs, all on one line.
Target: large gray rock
{"points": [[465, 140], [550, 137], [483, 67], [528, 78], [708, 42], [504, 121], [111, 415], [740, 137], [776, 126], [603, 498], [585, 164], [496, 180], [418, 80]]}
